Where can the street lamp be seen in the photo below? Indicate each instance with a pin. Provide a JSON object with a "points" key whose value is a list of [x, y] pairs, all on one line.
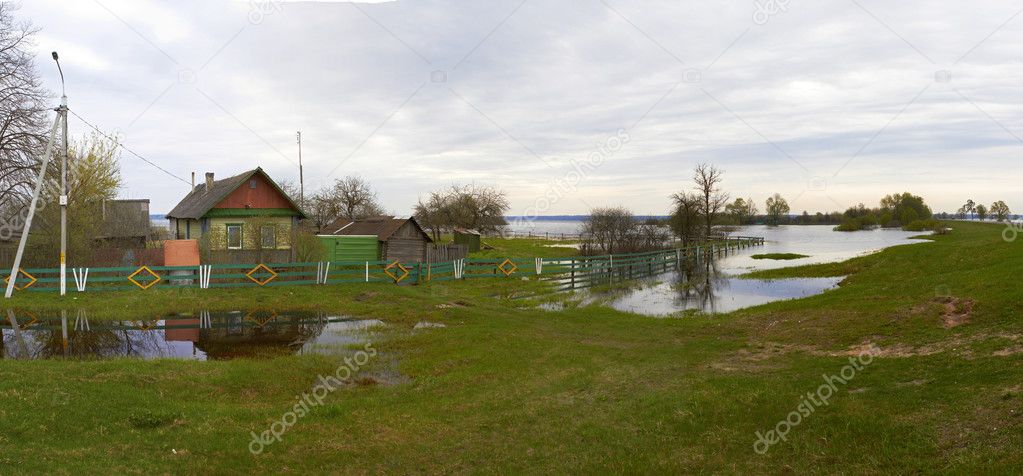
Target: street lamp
{"points": [[62, 113]]}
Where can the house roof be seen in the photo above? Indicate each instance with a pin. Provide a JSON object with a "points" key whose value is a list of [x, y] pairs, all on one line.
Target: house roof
{"points": [[382, 227], [198, 202], [466, 231]]}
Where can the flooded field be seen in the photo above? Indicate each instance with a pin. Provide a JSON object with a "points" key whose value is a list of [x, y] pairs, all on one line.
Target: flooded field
{"points": [[713, 286]]}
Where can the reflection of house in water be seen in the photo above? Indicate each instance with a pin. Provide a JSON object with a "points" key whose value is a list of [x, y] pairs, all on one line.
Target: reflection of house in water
{"points": [[236, 335], [214, 337]]}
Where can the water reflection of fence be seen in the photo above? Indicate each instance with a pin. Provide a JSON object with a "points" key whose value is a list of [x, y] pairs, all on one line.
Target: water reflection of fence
{"points": [[583, 272], [579, 271]]}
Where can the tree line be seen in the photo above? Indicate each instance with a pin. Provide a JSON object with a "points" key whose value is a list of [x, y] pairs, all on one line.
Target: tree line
{"points": [[998, 210], [469, 206]]}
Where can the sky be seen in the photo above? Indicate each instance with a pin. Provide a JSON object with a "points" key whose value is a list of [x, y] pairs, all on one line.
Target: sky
{"points": [[564, 104]]}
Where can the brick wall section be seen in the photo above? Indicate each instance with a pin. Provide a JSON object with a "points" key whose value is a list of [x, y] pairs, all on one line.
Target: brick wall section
{"points": [[181, 253]]}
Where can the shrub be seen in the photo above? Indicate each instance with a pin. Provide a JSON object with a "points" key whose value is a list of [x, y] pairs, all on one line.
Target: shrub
{"points": [[923, 225]]}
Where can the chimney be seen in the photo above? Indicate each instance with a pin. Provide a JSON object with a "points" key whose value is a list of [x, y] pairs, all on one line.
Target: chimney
{"points": [[209, 181], [193, 180]]}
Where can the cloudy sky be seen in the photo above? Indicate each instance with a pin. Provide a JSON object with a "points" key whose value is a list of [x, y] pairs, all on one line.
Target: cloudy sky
{"points": [[565, 104]]}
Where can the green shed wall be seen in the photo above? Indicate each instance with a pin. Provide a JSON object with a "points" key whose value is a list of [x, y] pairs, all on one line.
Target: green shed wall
{"points": [[471, 241], [351, 247]]}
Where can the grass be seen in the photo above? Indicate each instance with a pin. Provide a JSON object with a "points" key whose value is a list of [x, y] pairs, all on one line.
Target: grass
{"points": [[507, 388], [526, 247], [779, 256]]}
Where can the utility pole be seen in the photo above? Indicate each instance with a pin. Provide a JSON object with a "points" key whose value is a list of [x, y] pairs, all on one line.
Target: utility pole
{"points": [[60, 119], [63, 181], [301, 174]]}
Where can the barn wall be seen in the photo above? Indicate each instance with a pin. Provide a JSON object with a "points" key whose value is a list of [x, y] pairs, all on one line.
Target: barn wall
{"points": [[407, 245], [406, 250]]}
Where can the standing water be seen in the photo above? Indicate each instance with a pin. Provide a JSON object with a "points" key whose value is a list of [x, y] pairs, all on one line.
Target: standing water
{"points": [[713, 286]]}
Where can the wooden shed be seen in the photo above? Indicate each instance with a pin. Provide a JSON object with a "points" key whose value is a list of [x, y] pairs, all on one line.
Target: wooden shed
{"points": [[470, 238], [399, 239]]}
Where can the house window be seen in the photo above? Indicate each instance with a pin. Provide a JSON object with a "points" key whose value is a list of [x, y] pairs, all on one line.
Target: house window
{"points": [[252, 184], [234, 237], [268, 237]]}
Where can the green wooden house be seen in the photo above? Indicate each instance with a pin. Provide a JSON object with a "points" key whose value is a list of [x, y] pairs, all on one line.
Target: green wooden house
{"points": [[246, 218]]}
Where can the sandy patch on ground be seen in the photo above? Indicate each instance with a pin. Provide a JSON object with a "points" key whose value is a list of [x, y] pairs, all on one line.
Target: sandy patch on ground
{"points": [[758, 355], [953, 311]]}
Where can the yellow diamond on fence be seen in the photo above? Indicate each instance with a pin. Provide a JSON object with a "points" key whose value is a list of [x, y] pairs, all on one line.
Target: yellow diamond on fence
{"points": [[508, 267], [260, 320], [31, 280], [148, 284], [33, 321], [265, 270], [403, 271]]}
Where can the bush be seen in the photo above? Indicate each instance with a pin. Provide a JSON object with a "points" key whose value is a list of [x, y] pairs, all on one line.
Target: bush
{"points": [[923, 225], [849, 225], [308, 247], [865, 222]]}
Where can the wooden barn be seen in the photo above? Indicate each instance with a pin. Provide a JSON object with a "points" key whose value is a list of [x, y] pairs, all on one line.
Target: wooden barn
{"points": [[399, 239]]}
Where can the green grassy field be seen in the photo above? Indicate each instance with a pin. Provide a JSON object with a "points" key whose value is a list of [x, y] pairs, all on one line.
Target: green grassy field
{"points": [[779, 256], [508, 388]]}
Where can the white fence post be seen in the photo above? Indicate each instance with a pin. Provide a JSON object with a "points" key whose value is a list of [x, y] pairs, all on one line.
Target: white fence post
{"points": [[204, 276], [81, 276]]}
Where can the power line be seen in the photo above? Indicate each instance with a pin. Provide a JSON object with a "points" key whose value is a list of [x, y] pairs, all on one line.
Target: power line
{"points": [[119, 144]]}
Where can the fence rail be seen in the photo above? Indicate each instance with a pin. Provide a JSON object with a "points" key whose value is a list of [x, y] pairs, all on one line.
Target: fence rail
{"points": [[577, 271]]}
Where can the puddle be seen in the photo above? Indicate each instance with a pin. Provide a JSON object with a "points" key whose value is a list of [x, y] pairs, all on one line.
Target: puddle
{"points": [[551, 306], [203, 336]]}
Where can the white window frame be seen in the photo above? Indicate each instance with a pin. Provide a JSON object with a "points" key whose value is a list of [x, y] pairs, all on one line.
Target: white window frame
{"points": [[241, 236], [262, 237]]}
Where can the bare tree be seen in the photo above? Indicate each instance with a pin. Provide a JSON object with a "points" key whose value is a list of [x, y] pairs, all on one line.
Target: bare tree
{"points": [[350, 197], [355, 198], [23, 110], [686, 218], [292, 190], [611, 229], [433, 213], [708, 188], [466, 206]]}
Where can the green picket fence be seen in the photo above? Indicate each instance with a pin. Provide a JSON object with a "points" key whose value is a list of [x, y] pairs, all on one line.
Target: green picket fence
{"points": [[576, 271]]}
